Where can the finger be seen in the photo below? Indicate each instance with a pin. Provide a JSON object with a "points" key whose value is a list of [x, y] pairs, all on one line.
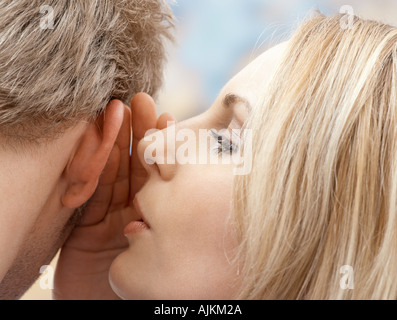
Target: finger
{"points": [[164, 120], [143, 114], [143, 118]]}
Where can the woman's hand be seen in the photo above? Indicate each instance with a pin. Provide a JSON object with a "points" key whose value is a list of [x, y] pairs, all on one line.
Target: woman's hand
{"points": [[85, 259]]}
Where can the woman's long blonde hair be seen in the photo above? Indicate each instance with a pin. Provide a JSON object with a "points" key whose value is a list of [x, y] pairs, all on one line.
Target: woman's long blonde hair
{"points": [[322, 193]]}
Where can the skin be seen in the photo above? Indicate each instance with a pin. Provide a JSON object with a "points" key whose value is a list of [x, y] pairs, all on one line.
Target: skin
{"points": [[188, 250], [30, 225], [41, 187]]}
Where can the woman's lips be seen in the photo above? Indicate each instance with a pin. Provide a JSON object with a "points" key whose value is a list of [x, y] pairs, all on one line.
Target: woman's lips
{"points": [[136, 226]]}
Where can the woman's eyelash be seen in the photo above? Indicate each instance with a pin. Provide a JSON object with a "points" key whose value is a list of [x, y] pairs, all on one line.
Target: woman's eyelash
{"points": [[224, 144]]}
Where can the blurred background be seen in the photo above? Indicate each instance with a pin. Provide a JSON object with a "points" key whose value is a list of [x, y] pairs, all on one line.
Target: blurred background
{"points": [[217, 38]]}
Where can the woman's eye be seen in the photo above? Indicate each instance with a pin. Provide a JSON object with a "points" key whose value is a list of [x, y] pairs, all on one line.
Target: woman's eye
{"points": [[224, 145]]}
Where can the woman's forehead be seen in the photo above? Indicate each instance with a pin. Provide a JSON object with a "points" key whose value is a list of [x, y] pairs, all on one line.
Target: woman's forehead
{"points": [[251, 80]]}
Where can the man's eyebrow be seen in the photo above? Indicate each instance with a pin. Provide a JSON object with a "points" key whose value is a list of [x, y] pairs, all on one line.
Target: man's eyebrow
{"points": [[231, 99]]}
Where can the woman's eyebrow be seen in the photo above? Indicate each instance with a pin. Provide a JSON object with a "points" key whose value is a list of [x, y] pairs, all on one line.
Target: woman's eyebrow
{"points": [[231, 99]]}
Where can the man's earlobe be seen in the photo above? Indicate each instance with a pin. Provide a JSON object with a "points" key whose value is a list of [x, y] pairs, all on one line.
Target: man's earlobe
{"points": [[92, 154]]}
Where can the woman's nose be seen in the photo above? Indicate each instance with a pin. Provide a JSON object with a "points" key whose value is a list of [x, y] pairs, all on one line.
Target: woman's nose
{"points": [[156, 151]]}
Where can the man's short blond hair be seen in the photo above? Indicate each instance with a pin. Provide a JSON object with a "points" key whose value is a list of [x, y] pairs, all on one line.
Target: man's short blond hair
{"points": [[95, 51]]}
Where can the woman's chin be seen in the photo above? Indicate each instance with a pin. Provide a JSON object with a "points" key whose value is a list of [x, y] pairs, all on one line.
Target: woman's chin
{"points": [[118, 276]]}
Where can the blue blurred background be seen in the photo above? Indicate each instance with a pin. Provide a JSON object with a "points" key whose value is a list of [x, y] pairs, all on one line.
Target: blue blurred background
{"points": [[217, 38]]}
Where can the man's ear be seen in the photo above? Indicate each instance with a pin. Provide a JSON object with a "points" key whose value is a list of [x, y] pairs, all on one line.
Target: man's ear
{"points": [[92, 154]]}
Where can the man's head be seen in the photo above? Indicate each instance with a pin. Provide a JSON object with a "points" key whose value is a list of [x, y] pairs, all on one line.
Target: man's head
{"points": [[60, 66]]}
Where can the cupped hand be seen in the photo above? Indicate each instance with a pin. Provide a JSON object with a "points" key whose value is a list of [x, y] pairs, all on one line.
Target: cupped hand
{"points": [[85, 258]]}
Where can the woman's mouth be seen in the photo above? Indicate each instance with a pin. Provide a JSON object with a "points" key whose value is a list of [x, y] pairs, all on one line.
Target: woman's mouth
{"points": [[136, 226]]}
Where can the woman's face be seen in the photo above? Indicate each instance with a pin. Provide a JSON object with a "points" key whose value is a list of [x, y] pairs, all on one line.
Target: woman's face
{"points": [[187, 251]]}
